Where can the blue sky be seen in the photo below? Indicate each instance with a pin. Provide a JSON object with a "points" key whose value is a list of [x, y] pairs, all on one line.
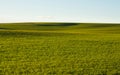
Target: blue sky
{"points": [[60, 11]]}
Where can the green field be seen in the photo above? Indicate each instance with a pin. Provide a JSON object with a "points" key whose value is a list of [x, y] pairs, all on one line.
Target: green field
{"points": [[59, 49]]}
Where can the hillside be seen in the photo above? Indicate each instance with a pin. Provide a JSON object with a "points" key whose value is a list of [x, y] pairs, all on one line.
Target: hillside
{"points": [[72, 27]]}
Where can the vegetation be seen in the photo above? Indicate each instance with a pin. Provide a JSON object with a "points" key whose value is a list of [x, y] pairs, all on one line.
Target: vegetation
{"points": [[59, 49]]}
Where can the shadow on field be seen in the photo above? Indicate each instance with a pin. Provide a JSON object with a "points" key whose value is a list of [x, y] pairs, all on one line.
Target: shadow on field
{"points": [[29, 34], [58, 24], [101, 25], [5, 29]]}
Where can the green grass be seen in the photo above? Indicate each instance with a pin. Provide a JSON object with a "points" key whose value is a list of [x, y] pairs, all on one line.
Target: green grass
{"points": [[59, 49]]}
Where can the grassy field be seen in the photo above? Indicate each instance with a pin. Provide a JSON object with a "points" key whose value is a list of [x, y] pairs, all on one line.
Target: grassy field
{"points": [[59, 49]]}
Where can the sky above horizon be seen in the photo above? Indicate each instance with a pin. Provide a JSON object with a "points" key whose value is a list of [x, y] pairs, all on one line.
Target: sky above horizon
{"points": [[60, 11]]}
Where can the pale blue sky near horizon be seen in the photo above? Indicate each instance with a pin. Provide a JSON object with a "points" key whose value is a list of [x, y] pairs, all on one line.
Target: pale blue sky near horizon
{"points": [[60, 11]]}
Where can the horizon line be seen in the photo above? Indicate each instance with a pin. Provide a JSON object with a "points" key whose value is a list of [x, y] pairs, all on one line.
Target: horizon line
{"points": [[62, 22]]}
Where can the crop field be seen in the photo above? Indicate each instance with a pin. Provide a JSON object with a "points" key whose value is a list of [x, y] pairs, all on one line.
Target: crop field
{"points": [[59, 49]]}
